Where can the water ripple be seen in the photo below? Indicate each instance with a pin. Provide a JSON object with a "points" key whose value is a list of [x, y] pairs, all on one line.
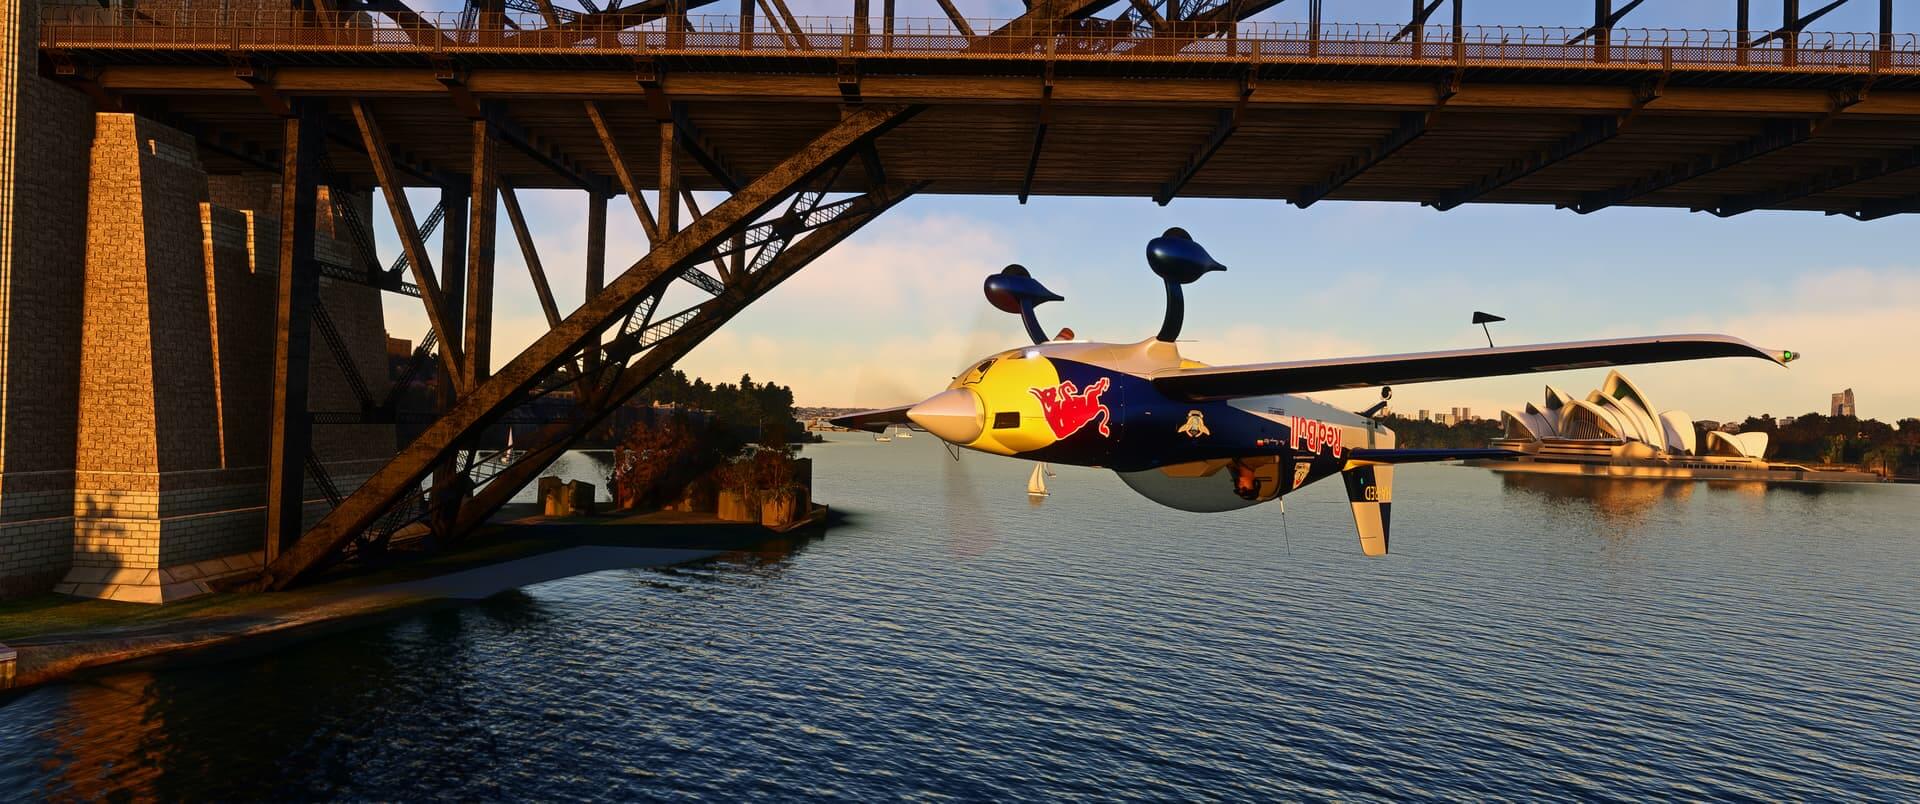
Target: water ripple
{"points": [[1525, 642]]}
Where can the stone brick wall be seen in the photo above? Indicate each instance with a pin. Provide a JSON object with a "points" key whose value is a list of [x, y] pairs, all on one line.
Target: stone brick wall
{"points": [[44, 133], [177, 367]]}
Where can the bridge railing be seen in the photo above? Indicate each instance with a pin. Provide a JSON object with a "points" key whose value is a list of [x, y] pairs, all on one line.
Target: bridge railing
{"points": [[348, 33]]}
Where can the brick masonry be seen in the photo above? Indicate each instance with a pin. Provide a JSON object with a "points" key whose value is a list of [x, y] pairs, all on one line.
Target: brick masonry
{"points": [[176, 365], [45, 129], [136, 337]]}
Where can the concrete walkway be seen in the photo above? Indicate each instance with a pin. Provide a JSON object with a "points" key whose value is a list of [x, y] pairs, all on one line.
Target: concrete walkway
{"points": [[484, 582], [579, 546]]}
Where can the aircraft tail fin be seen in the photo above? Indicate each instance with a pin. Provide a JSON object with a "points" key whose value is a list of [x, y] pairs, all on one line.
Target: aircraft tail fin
{"points": [[1370, 492]]}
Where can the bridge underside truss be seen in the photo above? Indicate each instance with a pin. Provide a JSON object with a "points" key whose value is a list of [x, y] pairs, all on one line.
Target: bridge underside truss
{"points": [[601, 354], [1160, 99]]}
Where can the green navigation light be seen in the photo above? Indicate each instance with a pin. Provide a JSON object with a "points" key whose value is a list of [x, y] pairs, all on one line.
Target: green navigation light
{"points": [[1788, 356]]}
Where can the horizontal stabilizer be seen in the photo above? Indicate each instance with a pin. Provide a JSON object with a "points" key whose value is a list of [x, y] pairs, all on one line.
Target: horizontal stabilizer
{"points": [[1307, 376], [1391, 456], [874, 421]]}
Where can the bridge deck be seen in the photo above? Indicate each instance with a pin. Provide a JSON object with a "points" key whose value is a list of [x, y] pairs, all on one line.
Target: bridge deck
{"points": [[1826, 125]]}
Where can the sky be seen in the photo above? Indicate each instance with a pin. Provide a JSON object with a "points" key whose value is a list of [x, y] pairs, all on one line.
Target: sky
{"points": [[890, 315]]}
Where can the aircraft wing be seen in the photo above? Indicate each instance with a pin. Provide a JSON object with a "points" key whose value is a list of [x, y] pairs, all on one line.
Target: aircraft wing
{"points": [[874, 421], [1304, 376]]}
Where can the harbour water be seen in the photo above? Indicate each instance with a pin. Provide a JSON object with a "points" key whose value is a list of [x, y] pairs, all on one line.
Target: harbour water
{"points": [[1529, 638]]}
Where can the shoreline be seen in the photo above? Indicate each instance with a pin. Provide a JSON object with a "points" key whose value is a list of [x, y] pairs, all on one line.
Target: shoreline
{"points": [[513, 554]]}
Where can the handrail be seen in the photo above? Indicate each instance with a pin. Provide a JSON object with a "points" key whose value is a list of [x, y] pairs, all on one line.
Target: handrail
{"points": [[69, 27]]}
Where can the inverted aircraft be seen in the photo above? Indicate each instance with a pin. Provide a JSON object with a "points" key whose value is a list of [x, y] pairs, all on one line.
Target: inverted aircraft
{"points": [[1217, 438]]}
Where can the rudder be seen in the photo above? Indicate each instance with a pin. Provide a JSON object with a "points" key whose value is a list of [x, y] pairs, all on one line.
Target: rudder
{"points": [[1370, 492]]}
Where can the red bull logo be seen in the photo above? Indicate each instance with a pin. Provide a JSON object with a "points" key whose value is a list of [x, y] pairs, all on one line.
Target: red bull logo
{"points": [[1068, 409], [1313, 436]]}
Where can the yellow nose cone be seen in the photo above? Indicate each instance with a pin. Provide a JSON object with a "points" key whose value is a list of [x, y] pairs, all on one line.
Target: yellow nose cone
{"points": [[956, 415]]}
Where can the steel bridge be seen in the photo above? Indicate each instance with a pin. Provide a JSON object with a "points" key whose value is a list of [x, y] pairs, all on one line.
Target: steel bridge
{"points": [[815, 126]]}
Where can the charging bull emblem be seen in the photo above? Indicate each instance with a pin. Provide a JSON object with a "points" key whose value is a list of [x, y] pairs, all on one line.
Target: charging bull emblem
{"points": [[1068, 409]]}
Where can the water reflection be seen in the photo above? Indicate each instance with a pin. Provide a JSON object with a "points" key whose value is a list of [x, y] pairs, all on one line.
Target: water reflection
{"points": [[763, 561], [590, 466], [1656, 639], [198, 732], [969, 519], [1615, 501]]}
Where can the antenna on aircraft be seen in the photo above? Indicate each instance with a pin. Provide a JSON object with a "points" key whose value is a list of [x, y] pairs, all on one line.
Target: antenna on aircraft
{"points": [[1179, 261], [1483, 319], [1015, 291]]}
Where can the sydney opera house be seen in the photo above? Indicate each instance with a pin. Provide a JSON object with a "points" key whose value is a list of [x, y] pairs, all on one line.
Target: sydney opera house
{"points": [[1617, 431]]}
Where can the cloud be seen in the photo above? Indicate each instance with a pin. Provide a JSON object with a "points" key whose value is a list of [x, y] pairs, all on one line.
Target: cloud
{"points": [[913, 264], [1261, 343], [892, 313]]}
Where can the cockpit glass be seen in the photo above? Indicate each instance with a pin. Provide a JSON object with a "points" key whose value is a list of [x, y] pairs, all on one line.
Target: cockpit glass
{"points": [[978, 372]]}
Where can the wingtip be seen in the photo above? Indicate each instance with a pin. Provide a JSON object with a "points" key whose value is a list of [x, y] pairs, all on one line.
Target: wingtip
{"points": [[1780, 357]]}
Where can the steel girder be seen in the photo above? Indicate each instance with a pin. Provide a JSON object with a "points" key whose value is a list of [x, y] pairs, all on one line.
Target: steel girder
{"points": [[633, 361], [480, 405], [700, 322]]}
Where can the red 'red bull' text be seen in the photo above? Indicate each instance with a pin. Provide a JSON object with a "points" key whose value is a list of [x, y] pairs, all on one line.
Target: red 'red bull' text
{"points": [[1314, 436], [1068, 409]]}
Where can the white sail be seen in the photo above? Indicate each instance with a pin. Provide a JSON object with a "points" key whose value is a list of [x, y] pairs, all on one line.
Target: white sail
{"points": [[1037, 484]]}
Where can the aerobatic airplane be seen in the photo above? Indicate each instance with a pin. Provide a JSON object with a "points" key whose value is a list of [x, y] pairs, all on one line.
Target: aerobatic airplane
{"points": [[1216, 438]]}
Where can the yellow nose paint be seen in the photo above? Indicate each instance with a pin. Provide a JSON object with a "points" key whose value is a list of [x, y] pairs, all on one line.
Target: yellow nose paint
{"points": [[1005, 386]]}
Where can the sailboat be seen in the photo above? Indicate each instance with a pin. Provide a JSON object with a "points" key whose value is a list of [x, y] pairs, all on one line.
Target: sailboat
{"points": [[1037, 483]]}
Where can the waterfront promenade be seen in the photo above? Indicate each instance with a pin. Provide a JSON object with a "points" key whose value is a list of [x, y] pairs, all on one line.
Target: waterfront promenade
{"points": [[57, 637]]}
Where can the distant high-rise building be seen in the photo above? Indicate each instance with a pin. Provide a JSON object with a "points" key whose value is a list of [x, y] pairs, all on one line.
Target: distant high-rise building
{"points": [[1843, 403], [1426, 415]]}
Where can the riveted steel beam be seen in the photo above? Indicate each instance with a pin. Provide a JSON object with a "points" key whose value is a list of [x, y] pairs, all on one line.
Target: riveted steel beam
{"points": [[410, 241], [546, 445], [1225, 123], [480, 257], [291, 438], [1828, 182], [1412, 125], [648, 223], [1777, 135], [1876, 210], [702, 150], [1593, 131], [481, 405]]}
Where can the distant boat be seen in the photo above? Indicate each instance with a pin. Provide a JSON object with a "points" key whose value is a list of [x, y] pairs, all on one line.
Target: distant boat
{"points": [[905, 434], [1037, 484], [882, 436]]}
